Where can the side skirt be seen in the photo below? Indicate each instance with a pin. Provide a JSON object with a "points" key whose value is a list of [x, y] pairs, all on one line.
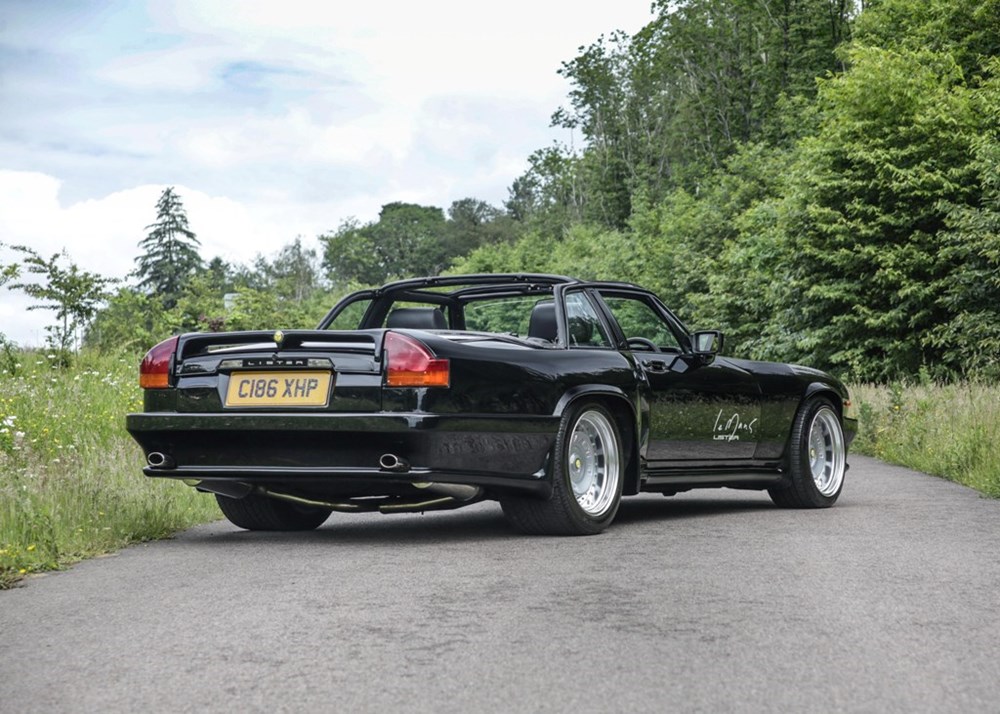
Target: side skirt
{"points": [[682, 479]]}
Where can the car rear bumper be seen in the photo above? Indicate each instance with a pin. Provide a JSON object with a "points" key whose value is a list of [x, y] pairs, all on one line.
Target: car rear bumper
{"points": [[507, 452]]}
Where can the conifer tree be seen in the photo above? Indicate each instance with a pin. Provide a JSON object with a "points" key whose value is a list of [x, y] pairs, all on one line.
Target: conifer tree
{"points": [[169, 251]]}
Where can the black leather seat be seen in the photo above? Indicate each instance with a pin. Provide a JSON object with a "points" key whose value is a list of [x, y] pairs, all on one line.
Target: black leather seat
{"points": [[417, 318], [542, 324]]}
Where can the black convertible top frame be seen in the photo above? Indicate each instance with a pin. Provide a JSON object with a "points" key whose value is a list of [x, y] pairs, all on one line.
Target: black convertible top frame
{"points": [[468, 288], [472, 280]]}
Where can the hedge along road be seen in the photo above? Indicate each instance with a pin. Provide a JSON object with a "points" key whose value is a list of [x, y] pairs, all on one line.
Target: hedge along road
{"points": [[708, 601]]}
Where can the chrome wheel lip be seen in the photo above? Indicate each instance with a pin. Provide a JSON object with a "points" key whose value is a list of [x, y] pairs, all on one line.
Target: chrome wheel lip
{"points": [[826, 452], [593, 463]]}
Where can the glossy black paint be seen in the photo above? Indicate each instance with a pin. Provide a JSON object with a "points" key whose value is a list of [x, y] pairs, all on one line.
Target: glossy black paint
{"points": [[688, 419]]}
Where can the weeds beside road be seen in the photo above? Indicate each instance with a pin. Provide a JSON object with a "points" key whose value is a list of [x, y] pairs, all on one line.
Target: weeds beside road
{"points": [[949, 430], [71, 484]]}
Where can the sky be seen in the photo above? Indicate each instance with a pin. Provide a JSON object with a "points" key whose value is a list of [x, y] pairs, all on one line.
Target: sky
{"points": [[273, 120]]}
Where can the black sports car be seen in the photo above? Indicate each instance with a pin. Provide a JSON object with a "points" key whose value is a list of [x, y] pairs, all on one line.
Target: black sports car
{"points": [[554, 396]]}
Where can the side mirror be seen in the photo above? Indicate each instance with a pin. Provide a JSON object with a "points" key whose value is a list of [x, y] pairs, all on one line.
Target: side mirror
{"points": [[707, 344]]}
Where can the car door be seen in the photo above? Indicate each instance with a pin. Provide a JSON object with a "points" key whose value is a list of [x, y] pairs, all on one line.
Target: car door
{"points": [[700, 409]]}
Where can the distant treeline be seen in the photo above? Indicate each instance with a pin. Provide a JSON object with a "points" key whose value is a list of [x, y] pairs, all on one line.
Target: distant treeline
{"points": [[818, 179]]}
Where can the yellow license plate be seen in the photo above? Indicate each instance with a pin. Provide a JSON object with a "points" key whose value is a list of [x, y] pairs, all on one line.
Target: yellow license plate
{"points": [[278, 389]]}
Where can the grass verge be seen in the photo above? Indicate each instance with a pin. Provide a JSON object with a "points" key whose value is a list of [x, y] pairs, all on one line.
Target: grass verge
{"points": [[71, 484], [949, 430]]}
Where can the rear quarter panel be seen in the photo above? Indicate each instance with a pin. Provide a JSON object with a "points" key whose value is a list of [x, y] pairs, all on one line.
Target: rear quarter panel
{"points": [[493, 378]]}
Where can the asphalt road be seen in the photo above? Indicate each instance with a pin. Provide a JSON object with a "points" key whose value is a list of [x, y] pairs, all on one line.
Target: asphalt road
{"points": [[709, 601]]}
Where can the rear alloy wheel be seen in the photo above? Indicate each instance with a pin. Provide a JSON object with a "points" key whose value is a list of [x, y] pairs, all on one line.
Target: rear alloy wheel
{"points": [[817, 459], [587, 477], [260, 513]]}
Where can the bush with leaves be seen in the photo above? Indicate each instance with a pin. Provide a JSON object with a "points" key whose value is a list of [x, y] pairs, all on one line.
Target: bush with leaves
{"points": [[75, 295]]}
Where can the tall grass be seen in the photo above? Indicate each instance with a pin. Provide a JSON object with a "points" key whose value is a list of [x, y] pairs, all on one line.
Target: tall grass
{"points": [[950, 430], [71, 484]]}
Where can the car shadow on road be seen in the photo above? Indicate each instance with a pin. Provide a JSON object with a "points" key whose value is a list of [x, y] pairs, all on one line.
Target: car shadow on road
{"points": [[659, 508], [483, 522]]}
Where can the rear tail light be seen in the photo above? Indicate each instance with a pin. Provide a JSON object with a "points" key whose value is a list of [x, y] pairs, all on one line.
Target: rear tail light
{"points": [[154, 372], [410, 364]]}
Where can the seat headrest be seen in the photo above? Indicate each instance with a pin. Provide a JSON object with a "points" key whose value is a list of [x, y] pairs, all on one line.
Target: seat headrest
{"points": [[543, 321], [417, 318]]}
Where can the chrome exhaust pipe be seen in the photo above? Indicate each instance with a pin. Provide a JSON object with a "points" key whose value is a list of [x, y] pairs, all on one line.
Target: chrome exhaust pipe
{"points": [[393, 463], [159, 460], [332, 505], [232, 489], [458, 491]]}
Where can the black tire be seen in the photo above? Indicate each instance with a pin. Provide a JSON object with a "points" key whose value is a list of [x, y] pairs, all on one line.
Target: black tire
{"points": [[260, 513], [588, 469], [817, 459]]}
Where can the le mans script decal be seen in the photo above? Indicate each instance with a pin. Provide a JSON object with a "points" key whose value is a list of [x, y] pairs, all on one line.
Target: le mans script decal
{"points": [[730, 429]]}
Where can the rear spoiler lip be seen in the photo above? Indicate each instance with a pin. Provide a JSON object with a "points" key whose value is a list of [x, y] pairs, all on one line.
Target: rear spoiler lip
{"points": [[195, 344]]}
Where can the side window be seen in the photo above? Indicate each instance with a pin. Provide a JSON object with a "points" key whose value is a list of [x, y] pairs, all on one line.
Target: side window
{"points": [[505, 315], [585, 328], [350, 317], [638, 319]]}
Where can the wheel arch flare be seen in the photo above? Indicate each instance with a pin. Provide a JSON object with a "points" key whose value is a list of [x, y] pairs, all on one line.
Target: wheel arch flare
{"points": [[624, 412]]}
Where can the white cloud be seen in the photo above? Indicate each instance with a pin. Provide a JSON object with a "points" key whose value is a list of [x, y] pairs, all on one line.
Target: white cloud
{"points": [[407, 50], [296, 138], [187, 70], [273, 120]]}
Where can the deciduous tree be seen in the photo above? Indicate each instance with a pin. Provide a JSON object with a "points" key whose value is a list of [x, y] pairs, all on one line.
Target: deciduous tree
{"points": [[407, 239], [73, 294]]}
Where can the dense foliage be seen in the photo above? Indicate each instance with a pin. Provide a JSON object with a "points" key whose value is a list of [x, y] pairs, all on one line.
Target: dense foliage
{"points": [[409, 239], [819, 182]]}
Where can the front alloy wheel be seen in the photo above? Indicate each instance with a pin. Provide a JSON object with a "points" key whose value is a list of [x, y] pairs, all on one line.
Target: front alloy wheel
{"points": [[817, 459], [827, 456]]}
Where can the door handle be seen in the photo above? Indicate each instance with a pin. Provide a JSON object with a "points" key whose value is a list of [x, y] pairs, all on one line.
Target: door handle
{"points": [[656, 365]]}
